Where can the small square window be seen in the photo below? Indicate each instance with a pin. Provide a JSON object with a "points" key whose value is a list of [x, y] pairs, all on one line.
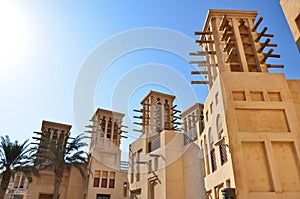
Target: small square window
{"points": [[274, 96], [257, 96], [238, 95]]}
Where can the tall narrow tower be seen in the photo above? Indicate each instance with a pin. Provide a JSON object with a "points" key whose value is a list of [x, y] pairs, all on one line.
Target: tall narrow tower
{"points": [[251, 130], [106, 177], [157, 114]]}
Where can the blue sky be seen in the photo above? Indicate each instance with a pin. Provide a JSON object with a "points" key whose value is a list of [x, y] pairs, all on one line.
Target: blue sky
{"points": [[46, 44]]}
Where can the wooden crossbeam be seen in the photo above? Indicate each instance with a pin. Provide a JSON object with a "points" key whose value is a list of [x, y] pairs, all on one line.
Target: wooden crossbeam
{"points": [[204, 41], [202, 53], [263, 34], [202, 33], [275, 66], [231, 52], [227, 43], [223, 23], [257, 24], [203, 63], [266, 55], [198, 72], [225, 32], [199, 82]]}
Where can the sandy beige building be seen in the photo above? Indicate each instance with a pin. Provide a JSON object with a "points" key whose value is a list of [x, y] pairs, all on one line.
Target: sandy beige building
{"points": [[251, 116], [18, 186], [291, 9], [107, 179], [163, 162], [42, 186], [244, 140]]}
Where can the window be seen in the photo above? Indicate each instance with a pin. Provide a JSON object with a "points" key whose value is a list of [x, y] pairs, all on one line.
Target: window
{"points": [[61, 137], [22, 182], [154, 144], [219, 126], [112, 176], [102, 125], [54, 135], [158, 115], [167, 125], [138, 165], [125, 189], [223, 154], [206, 155], [109, 128], [132, 167], [206, 115], [116, 128], [149, 166], [45, 196], [104, 179], [211, 108], [17, 180], [274, 96], [213, 160], [155, 164], [212, 151], [257, 96], [102, 196], [238, 95], [18, 197], [96, 178]]}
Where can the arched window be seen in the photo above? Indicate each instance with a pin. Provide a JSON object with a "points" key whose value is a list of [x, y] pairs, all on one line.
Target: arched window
{"points": [[109, 128], [212, 151], [210, 139], [158, 115], [167, 115], [219, 126], [54, 135]]}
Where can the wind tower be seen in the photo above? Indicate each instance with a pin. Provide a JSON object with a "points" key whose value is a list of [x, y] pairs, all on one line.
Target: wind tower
{"points": [[106, 177], [251, 129], [157, 114]]}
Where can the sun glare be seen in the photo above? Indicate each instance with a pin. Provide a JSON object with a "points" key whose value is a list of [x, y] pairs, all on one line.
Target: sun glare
{"points": [[13, 33]]}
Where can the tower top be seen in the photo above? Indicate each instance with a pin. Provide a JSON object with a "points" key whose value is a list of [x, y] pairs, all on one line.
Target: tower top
{"points": [[233, 42], [157, 94]]}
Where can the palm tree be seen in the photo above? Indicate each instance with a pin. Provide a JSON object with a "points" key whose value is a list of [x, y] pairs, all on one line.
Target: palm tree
{"points": [[60, 155], [14, 157]]}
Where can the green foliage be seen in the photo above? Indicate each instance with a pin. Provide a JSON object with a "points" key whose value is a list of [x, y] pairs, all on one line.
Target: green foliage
{"points": [[60, 153], [15, 156]]}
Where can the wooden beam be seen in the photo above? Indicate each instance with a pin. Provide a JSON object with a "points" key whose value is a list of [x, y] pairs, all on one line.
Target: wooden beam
{"points": [[275, 65], [204, 41], [198, 72], [199, 82], [223, 23], [257, 24], [202, 33]]}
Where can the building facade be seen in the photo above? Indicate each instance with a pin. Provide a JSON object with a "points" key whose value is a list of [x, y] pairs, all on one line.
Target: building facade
{"points": [[106, 178], [163, 162], [291, 9], [42, 186], [245, 136], [251, 116]]}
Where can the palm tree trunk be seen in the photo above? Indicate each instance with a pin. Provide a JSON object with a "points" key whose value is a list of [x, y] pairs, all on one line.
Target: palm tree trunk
{"points": [[57, 181], [4, 183]]}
